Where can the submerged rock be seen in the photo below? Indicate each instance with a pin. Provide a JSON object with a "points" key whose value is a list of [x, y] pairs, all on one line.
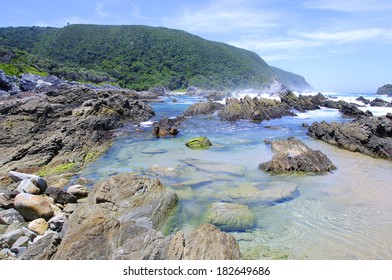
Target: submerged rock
{"points": [[199, 143], [293, 156], [231, 216], [166, 126], [371, 136]]}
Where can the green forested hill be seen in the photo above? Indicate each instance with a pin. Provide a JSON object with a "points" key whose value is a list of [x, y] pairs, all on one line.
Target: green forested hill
{"points": [[138, 57]]}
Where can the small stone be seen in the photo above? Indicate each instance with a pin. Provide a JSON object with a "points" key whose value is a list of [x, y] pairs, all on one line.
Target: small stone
{"points": [[27, 186], [56, 223], [60, 196], [38, 226], [22, 241], [10, 216], [6, 201], [32, 207], [78, 191], [199, 143]]}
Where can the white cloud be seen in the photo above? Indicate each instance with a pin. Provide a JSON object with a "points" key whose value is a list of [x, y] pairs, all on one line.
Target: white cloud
{"points": [[99, 9], [224, 17], [349, 5]]}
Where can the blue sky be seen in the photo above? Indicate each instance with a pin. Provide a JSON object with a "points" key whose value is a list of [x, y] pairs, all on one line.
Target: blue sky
{"points": [[337, 45]]}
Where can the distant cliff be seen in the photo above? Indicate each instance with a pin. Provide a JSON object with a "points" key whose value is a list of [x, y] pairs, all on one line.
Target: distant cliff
{"points": [[137, 57], [385, 90]]}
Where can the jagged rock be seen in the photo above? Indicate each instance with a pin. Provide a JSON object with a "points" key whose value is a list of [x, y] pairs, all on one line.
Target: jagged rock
{"points": [[293, 156], [351, 110], [199, 143], [29, 82], [44, 248], [120, 215], [39, 226], [371, 136], [230, 216], [60, 125], [10, 216], [301, 103], [378, 102], [32, 207], [385, 90], [256, 109], [166, 126], [203, 108], [363, 100], [60, 196], [78, 191]]}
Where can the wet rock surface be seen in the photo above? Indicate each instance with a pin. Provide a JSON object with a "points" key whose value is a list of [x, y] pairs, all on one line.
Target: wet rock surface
{"points": [[371, 136], [293, 156]]}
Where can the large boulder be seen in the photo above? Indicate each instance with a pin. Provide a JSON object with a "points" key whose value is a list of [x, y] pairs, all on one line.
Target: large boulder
{"points": [[166, 126], [32, 207], [60, 196], [44, 248], [121, 214], [368, 135], [206, 242], [293, 156]]}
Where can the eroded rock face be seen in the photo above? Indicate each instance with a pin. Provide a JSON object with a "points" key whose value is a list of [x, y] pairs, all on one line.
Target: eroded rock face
{"points": [[385, 90], [118, 221], [64, 122], [293, 156], [203, 108], [371, 136], [254, 109]]}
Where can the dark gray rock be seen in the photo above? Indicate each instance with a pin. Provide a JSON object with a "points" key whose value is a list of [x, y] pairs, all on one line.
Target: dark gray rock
{"points": [[6, 201], [44, 248], [11, 237], [29, 82], [293, 156], [378, 102], [363, 100], [352, 110], [60, 196], [385, 90], [367, 135], [166, 126]]}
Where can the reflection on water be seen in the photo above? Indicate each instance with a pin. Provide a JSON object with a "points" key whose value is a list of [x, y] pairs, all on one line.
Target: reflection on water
{"points": [[346, 214]]}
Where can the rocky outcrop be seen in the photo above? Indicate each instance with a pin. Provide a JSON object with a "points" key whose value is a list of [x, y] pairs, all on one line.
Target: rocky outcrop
{"points": [[199, 143], [293, 156], [121, 220], [367, 135], [385, 90], [254, 109], [203, 108], [378, 102], [302, 103], [63, 126]]}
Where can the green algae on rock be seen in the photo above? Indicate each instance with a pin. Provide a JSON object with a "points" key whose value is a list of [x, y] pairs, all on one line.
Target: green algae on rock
{"points": [[199, 143]]}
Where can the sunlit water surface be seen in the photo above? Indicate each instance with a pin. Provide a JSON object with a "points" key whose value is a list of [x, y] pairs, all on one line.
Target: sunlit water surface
{"points": [[346, 214]]}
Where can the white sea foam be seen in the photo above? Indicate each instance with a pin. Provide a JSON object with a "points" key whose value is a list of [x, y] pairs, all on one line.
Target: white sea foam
{"points": [[323, 113], [147, 123]]}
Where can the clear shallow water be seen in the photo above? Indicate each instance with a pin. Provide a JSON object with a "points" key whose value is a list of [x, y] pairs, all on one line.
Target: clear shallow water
{"points": [[343, 215]]}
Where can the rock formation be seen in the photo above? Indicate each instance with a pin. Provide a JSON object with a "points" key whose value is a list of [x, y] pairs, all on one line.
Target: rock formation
{"points": [[293, 156]]}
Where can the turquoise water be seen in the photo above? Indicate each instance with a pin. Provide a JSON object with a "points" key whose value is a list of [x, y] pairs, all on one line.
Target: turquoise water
{"points": [[346, 214]]}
